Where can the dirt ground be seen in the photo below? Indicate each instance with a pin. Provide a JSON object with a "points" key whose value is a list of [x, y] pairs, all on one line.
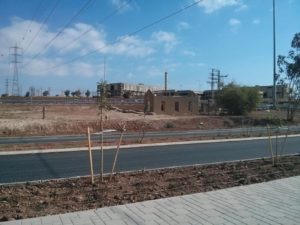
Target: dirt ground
{"points": [[68, 195], [74, 119], [26, 120]]}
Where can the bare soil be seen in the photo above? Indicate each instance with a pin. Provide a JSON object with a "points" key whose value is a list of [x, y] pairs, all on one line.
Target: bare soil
{"points": [[68, 195], [19, 120], [26, 120]]}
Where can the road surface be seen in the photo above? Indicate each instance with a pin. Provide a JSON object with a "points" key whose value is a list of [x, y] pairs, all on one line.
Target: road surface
{"points": [[30, 167]]}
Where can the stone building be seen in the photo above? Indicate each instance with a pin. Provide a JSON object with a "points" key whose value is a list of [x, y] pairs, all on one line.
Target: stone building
{"points": [[175, 104]]}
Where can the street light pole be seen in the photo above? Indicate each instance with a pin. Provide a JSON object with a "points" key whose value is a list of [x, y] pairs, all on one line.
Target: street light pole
{"points": [[274, 58]]}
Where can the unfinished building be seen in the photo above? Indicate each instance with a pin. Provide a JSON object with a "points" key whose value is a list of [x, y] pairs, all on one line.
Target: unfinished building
{"points": [[119, 89]]}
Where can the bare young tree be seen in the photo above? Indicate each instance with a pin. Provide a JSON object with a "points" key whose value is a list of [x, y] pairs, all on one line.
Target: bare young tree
{"points": [[103, 106], [144, 124]]}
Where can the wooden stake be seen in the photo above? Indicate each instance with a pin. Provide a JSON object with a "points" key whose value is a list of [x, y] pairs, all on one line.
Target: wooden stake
{"points": [[44, 112], [284, 142], [117, 152], [270, 146], [90, 155]]}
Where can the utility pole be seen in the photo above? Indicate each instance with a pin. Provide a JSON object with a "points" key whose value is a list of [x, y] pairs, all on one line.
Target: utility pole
{"points": [[212, 81], [274, 58], [15, 54], [216, 78], [220, 79], [213, 78]]}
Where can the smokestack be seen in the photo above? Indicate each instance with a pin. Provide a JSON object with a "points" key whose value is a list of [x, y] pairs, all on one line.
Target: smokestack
{"points": [[166, 81]]}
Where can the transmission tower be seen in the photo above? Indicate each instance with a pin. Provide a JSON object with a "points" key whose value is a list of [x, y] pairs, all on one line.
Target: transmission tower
{"points": [[6, 86], [15, 54]]}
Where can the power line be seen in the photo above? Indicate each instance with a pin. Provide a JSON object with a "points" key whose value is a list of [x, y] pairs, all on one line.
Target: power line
{"points": [[113, 13], [130, 34], [164, 18], [42, 25], [69, 22], [61, 30], [32, 19]]}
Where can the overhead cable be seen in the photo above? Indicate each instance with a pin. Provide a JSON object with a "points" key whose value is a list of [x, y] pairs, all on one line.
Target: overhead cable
{"points": [[130, 34], [42, 25], [87, 3], [113, 13], [38, 8]]}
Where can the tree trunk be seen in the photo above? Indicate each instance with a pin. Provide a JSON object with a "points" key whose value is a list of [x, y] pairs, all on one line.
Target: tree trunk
{"points": [[292, 114], [288, 113], [289, 110]]}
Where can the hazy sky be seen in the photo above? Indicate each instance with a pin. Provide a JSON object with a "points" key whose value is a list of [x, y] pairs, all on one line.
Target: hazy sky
{"points": [[65, 42]]}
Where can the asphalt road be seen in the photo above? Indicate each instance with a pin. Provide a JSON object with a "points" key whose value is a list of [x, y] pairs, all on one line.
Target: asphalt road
{"points": [[30, 167], [254, 131]]}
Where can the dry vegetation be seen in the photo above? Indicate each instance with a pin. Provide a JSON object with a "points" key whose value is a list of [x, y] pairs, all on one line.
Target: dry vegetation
{"points": [[26, 120], [18, 120], [73, 119]]}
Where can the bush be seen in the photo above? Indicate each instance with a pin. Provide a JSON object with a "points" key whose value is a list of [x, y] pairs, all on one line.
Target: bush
{"points": [[237, 100], [169, 125]]}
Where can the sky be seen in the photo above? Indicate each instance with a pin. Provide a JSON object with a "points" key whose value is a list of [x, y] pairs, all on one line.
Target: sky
{"points": [[73, 44]]}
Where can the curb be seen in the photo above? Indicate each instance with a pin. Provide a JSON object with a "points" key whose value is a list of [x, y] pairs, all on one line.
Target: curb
{"points": [[42, 151]]}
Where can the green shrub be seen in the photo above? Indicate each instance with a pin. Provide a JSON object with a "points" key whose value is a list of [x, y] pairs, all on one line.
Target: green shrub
{"points": [[169, 125]]}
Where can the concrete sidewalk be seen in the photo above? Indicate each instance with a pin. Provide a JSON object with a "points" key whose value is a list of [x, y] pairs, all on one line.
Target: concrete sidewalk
{"points": [[274, 202]]}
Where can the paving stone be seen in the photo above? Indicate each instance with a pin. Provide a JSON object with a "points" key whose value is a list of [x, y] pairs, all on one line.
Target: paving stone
{"points": [[251, 221], [287, 221], [60, 223], [276, 202], [244, 213], [14, 222], [50, 219]]}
